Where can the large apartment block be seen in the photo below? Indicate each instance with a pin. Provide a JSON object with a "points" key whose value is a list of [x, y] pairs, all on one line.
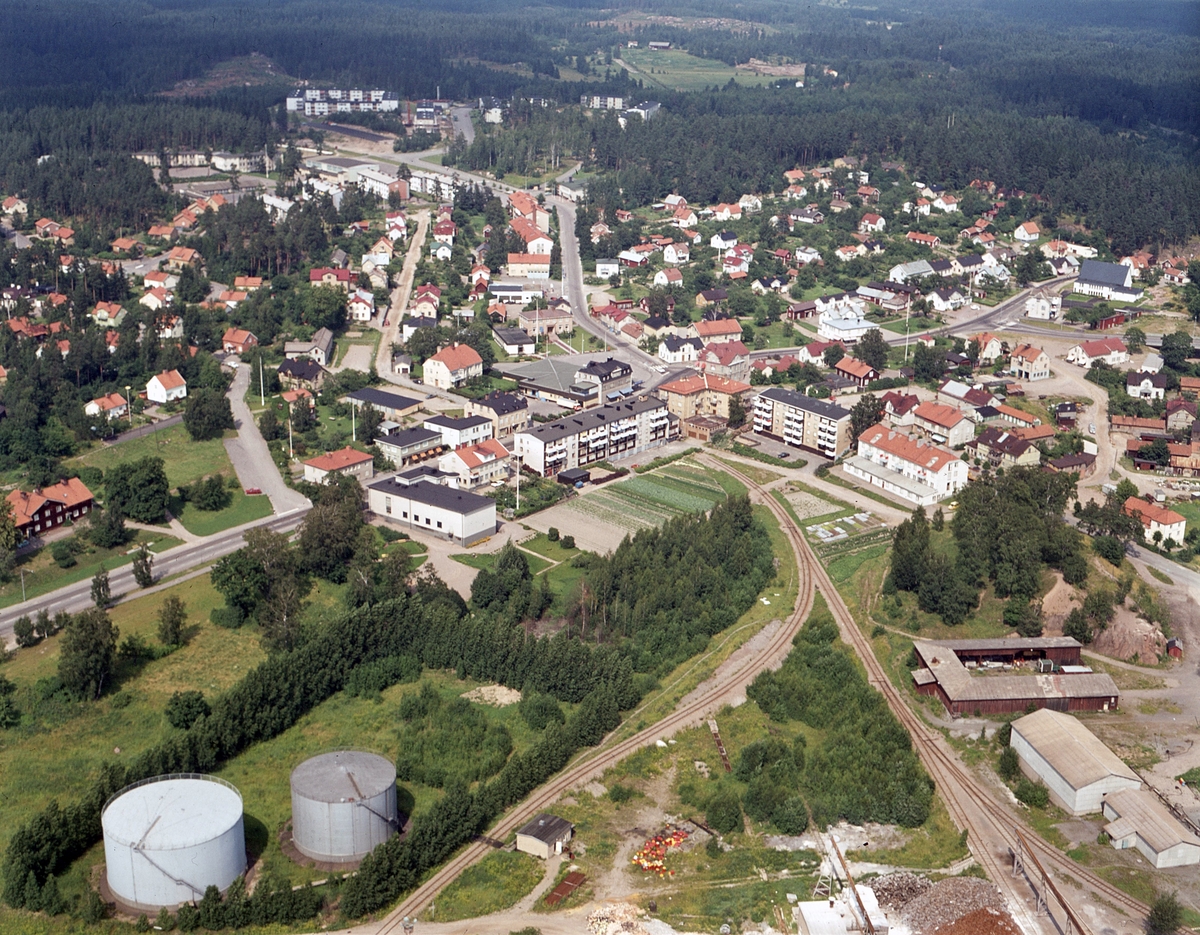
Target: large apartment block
{"points": [[812, 424], [601, 434], [318, 102]]}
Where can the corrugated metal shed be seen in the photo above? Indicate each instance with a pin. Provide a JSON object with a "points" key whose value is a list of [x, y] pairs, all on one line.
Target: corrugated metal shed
{"points": [[1071, 749]]}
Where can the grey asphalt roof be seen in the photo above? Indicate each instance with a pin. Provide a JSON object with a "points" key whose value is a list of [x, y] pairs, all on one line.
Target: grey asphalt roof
{"points": [[799, 401]]}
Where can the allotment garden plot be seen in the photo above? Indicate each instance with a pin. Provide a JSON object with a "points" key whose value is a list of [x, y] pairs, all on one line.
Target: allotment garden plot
{"points": [[600, 518]]}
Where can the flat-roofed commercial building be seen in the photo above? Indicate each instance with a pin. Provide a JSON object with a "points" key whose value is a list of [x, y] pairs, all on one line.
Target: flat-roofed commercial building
{"points": [[433, 508], [602, 434], [1075, 766], [811, 424]]}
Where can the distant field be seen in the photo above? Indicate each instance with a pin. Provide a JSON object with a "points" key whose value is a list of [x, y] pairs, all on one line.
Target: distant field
{"points": [[676, 70]]}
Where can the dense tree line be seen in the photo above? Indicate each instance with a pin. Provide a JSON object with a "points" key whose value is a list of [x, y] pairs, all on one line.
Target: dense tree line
{"points": [[863, 769], [1008, 526], [664, 592]]}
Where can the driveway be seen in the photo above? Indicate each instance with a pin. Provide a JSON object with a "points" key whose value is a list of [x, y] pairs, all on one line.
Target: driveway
{"points": [[249, 453]]}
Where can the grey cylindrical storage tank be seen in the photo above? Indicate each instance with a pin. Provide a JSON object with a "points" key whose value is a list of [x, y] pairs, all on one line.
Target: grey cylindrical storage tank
{"points": [[343, 805], [169, 838]]}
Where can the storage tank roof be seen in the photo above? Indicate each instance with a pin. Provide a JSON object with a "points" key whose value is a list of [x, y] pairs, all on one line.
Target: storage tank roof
{"points": [[344, 776], [171, 812]]}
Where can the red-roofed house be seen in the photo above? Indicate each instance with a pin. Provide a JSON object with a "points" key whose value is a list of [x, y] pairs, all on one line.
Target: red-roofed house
{"points": [[453, 366], [703, 394], [1028, 363], [112, 406], [944, 424], [238, 340], [326, 276], [348, 461], [1110, 350], [179, 257], [908, 468], [44, 509], [1027, 232], [860, 372], [166, 386], [529, 265], [1156, 519], [724, 329], [729, 359], [899, 408], [477, 465], [523, 205], [926, 240], [871, 223]]}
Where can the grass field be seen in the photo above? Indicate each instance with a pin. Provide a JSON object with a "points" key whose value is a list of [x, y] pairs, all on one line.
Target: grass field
{"points": [[42, 574], [68, 741], [496, 882], [186, 461], [651, 499], [676, 70], [243, 509]]}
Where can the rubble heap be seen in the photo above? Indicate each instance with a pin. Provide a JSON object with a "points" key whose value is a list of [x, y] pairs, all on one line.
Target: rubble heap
{"points": [[949, 900], [896, 890]]}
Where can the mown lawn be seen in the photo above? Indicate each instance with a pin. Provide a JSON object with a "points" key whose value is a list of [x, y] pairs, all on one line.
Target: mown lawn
{"points": [[186, 461], [243, 509]]}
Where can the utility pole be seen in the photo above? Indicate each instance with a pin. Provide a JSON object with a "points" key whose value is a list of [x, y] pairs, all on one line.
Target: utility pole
{"points": [[353, 427], [291, 450], [262, 396]]}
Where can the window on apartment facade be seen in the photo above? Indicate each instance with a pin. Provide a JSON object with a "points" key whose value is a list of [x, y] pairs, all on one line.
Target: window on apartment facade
{"points": [[387, 505]]}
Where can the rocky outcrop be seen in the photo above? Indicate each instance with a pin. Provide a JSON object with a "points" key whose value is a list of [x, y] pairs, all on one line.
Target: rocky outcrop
{"points": [[1127, 636]]}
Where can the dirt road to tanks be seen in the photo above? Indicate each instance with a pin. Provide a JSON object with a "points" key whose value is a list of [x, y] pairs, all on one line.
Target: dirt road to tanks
{"points": [[992, 829]]}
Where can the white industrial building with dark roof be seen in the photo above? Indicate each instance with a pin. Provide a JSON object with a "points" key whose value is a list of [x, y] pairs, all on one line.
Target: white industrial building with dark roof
{"points": [[430, 507], [1077, 768], [545, 836]]}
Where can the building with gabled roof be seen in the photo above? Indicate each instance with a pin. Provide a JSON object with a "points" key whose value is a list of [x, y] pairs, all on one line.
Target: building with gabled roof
{"points": [[947, 425], [1156, 519], [702, 394], [1029, 363], [1077, 769], [1136, 818], [1111, 351], [453, 366], [1107, 280], [111, 406], [346, 461], [906, 467], [478, 465], [166, 387], [46, 508]]}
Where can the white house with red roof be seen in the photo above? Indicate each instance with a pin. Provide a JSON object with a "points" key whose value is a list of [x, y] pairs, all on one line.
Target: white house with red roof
{"points": [[729, 359], [112, 406], [947, 425], [1155, 518], [668, 278], [328, 276], [1111, 351], [907, 467], [166, 387], [361, 306], [946, 202], [348, 461], [1028, 232], [453, 366], [477, 465], [871, 223], [723, 329]]}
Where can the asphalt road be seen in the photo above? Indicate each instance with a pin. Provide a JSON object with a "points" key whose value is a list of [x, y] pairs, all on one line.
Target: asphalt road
{"points": [[460, 119], [249, 453], [76, 597]]}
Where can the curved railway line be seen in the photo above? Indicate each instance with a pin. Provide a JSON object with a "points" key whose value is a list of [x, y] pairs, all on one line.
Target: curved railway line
{"points": [[995, 835]]}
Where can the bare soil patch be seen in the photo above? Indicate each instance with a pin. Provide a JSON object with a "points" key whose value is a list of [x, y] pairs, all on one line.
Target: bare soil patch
{"points": [[495, 695]]}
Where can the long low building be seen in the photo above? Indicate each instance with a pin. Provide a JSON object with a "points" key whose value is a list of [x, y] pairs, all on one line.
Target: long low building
{"points": [[812, 424], [605, 433], [1075, 766], [1138, 819], [443, 511], [942, 673]]}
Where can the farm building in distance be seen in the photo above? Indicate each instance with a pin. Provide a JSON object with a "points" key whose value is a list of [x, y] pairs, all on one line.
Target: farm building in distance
{"points": [[1077, 768], [945, 670]]}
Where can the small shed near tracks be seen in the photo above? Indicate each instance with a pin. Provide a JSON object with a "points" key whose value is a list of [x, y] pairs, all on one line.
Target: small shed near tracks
{"points": [[545, 836]]}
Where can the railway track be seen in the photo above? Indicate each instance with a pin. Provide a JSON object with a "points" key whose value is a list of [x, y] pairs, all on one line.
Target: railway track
{"points": [[595, 761], [991, 829], [973, 805]]}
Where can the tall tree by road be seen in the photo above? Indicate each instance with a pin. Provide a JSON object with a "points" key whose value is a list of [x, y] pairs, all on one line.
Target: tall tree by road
{"points": [[89, 652]]}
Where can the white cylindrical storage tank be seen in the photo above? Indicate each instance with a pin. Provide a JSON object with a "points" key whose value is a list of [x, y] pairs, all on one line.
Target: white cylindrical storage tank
{"points": [[343, 805], [169, 838]]}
